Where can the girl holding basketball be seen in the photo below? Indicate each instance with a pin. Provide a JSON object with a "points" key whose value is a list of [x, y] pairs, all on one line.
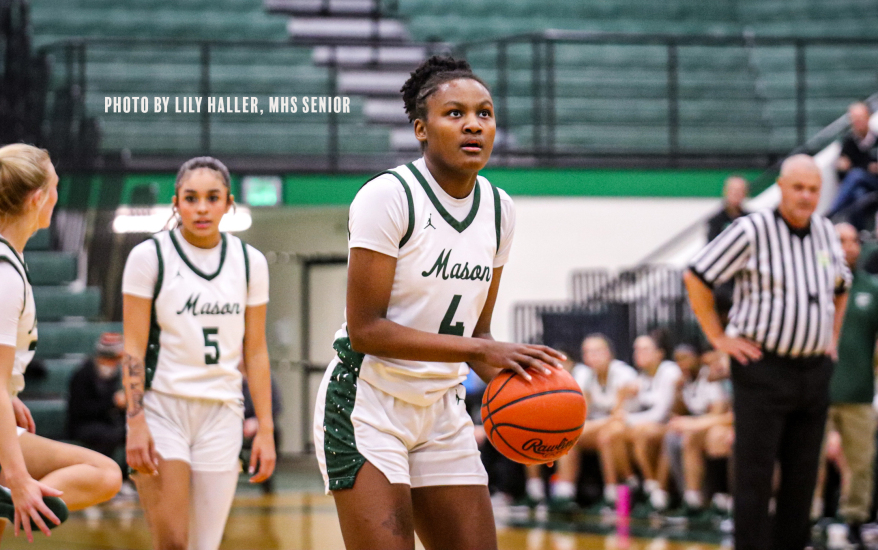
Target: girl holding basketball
{"points": [[194, 305], [428, 241], [34, 471]]}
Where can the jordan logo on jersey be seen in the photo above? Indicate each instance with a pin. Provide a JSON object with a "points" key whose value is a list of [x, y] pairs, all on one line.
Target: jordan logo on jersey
{"points": [[430, 222], [458, 271], [208, 308]]}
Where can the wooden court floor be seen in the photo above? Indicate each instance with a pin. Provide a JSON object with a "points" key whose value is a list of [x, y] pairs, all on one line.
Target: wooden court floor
{"points": [[294, 520], [300, 517]]}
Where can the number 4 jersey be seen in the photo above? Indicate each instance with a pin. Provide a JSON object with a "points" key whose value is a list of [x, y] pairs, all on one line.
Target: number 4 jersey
{"points": [[199, 297], [447, 250]]}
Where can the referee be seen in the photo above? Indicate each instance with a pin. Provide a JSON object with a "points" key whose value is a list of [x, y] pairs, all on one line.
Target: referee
{"points": [[791, 285]]}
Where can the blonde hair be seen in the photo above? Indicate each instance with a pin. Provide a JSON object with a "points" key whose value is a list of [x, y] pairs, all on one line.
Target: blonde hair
{"points": [[23, 170]]}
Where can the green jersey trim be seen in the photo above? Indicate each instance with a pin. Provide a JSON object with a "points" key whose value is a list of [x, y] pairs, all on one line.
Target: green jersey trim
{"points": [[153, 344], [459, 226], [498, 217], [246, 263], [191, 266], [23, 280], [409, 199], [17, 257]]}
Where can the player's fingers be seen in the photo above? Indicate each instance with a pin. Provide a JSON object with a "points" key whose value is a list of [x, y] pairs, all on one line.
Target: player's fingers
{"points": [[25, 525], [38, 520], [16, 523], [544, 356], [31, 425], [519, 370], [45, 511], [254, 460], [153, 458], [553, 352], [540, 362], [50, 491]]}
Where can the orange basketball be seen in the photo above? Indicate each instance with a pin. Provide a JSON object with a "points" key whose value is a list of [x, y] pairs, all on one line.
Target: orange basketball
{"points": [[533, 422]]}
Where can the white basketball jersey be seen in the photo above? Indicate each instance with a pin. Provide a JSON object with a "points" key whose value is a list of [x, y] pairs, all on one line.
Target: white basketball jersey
{"points": [[26, 341], [602, 399], [443, 273], [197, 330]]}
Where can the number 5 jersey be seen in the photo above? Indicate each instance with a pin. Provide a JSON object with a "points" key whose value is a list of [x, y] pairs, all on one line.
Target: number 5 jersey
{"points": [[199, 297]]}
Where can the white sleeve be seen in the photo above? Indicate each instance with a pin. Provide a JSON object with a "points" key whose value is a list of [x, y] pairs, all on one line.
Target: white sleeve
{"points": [[716, 393], [379, 216], [11, 304], [666, 389], [257, 294], [507, 229], [141, 270], [582, 375]]}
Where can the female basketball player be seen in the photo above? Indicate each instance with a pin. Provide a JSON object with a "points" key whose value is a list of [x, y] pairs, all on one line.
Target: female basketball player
{"points": [[36, 470], [428, 241], [194, 301], [655, 393]]}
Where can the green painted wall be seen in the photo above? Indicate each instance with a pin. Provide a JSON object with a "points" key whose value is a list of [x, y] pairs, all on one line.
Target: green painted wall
{"points": [[328, 189]]}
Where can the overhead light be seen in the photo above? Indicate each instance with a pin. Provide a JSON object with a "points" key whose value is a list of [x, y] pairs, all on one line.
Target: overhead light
{"points": [[154, 219]]}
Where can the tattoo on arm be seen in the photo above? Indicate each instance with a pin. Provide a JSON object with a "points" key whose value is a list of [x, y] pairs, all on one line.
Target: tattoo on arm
{"points": [[136, 372]]}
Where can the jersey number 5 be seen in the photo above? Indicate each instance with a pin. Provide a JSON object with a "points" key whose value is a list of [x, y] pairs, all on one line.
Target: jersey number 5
{"points": [[211, 358], [446, 327]]}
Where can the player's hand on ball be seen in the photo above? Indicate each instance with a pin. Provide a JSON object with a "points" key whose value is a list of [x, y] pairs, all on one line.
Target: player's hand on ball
{"points": [[262, 456], [140, 450], [519, 357]]}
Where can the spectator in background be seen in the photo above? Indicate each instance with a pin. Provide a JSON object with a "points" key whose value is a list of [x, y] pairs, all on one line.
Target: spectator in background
{"points": [[251, 422], [705, 424], [857, 145], [735, 191], [857, 168], [655, 393], [96, 406], [601, 377], [852, 386]]}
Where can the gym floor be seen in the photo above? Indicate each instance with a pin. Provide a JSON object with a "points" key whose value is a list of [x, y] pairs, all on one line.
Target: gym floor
{"points": [[298, 516]]}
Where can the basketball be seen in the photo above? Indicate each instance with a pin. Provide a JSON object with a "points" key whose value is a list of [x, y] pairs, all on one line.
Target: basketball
{"points": [[533, 422]]}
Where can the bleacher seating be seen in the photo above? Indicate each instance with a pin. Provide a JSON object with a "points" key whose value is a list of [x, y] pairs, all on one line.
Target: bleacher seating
{"points": [[749, 90], [68, 325]]}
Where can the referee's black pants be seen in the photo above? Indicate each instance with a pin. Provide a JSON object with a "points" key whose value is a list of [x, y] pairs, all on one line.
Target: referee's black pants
{"points": [[780, 409]]}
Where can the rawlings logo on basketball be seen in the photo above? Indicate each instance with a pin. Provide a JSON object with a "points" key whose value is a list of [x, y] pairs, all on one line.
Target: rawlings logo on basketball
{"points": [[537, 446]]}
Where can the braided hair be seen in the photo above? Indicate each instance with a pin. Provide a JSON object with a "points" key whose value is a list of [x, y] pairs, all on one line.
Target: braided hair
{"points": [[427, 78]]}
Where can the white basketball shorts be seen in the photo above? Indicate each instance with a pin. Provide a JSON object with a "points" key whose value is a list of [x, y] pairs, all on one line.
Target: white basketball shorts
{"points": [[410, 444], [204, 433]]}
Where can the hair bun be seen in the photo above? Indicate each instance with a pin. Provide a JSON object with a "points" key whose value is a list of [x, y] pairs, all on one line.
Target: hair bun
{"points": [[416, 89]]}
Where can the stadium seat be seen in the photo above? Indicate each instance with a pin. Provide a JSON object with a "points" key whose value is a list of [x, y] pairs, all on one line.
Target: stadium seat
{"points": [[57, 302], [41, 240], [56, 381], [50, 268], [59, 339], [50, 416]]}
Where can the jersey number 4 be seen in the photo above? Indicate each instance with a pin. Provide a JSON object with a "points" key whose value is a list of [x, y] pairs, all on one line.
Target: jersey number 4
{"points": [[211, 357], [446, 327]]}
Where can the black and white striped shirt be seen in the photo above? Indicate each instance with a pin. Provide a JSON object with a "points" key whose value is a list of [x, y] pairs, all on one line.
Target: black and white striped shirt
{"points": [[785, 280]]}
